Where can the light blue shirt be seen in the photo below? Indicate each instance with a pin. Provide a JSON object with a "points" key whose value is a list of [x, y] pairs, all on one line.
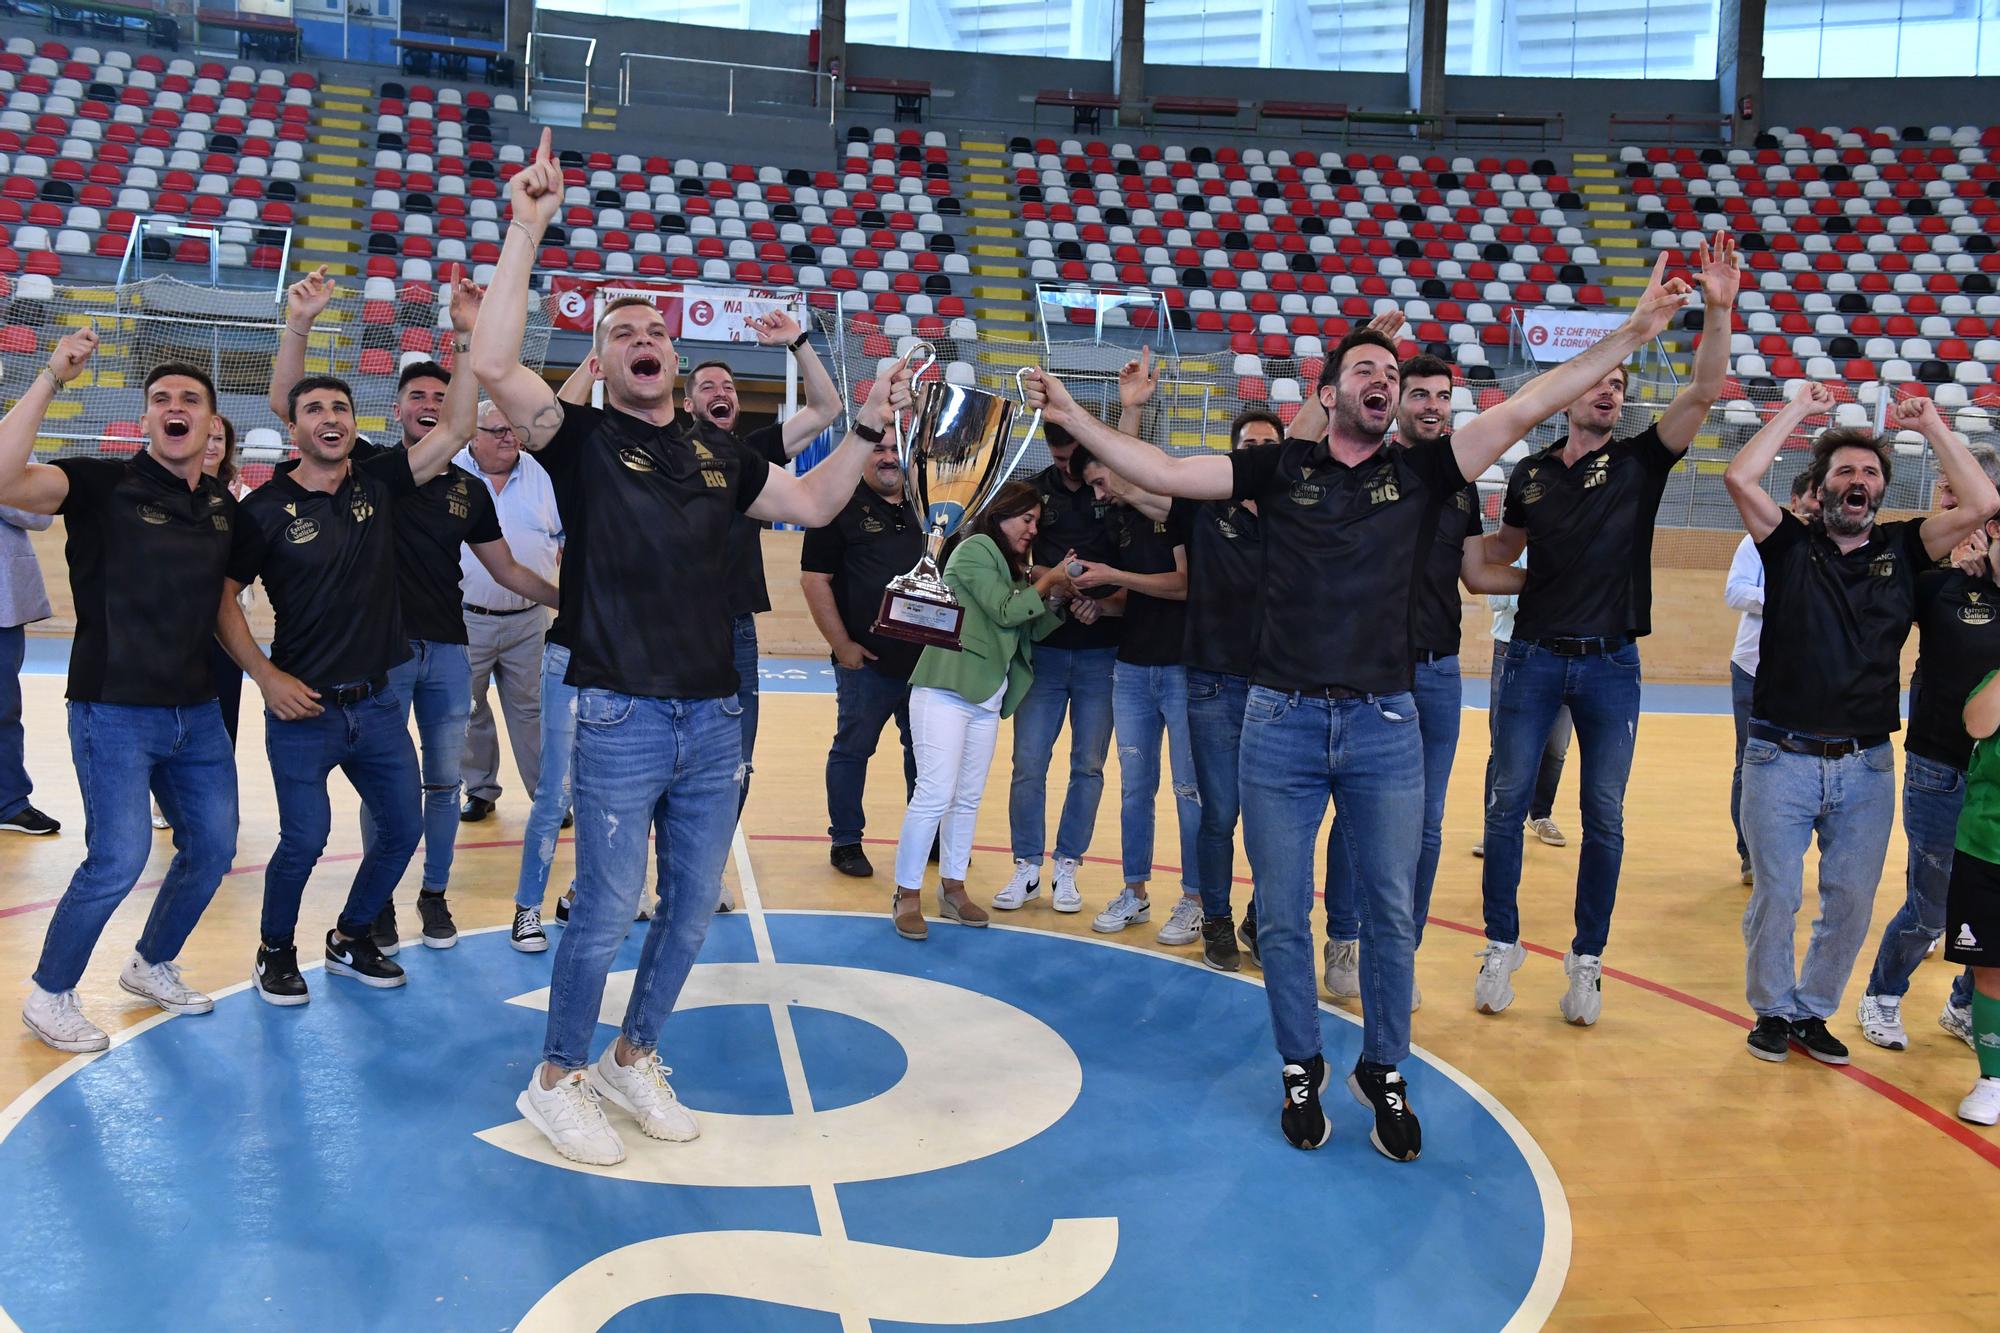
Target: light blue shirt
{"points": [[525, 502], [23, 599]]}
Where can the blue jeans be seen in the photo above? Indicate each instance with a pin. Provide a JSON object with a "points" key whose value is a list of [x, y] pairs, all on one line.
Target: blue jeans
{"points": [[1548, 777], [437, 682], [744, 639], [15, 785], [1601, 691], [1742, 685], [121, 752], [864, 700], [1079, 680], [1369, 755], [369, 741], [1440, 695], [642, 765], [1850, 803], [1933, 794], [552, 789], [1144, 700], [1215, 734]]}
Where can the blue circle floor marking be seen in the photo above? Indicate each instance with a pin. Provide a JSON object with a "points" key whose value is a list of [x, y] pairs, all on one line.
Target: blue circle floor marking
{"points": [[1019, 1127]]}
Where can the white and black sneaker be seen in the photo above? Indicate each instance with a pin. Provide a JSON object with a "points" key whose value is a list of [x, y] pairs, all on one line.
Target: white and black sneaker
{"points": [[1304, 1122], [383, 932], [1396, 1135], [277, 977], [440, 931], [1247, 932], [361, 960], [562, 905], [528, 936]]}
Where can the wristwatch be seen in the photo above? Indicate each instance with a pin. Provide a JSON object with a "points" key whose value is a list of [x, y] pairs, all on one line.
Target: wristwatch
{"points": [[869, 433], [798, 342]]}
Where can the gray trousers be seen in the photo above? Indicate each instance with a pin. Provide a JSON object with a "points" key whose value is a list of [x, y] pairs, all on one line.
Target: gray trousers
{"points": [[506, 650]]}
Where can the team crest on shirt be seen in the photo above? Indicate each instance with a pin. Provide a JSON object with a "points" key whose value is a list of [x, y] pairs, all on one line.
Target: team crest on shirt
{"points": [[637, 459], [301, 531], [1598, 473], [361, 508], [1382, 487], [154, 515], [1976, 611]]}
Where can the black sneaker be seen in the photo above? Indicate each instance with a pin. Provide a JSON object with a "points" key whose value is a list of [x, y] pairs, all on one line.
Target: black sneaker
{"points": [[849, 859], [1396, 1135], [383, 932], [562, 906], [1304, 1123], [31, 822], [527, 935], [1820, 1044], [1771, 1039], [1218, 944], [569, 818], [475, 809], [439, 932], [276, 975], [1247, 932], [361, 960]]}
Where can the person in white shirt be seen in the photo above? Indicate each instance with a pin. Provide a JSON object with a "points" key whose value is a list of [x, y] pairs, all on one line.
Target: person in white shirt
{"points": [[1541, 809], [504, 630], [1744, 591]]}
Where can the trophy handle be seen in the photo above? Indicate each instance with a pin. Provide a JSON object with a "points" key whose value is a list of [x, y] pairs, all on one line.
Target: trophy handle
{"points": [[930, 357], [1034, 424]]}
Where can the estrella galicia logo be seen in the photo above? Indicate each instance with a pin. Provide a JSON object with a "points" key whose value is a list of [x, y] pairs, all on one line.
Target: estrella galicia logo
{"points": [[933, 1137], [301, 530]]}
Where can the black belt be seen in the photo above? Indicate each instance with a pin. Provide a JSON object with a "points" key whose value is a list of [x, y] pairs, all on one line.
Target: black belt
{"points": [[1432, 659], [1333, 692], [1580, 647], [489, 611], [1819, 747], [340, 696]]}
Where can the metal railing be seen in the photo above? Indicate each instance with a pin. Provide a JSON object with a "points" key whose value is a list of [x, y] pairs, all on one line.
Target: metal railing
{"points": [[625, 79], [530, 71]]}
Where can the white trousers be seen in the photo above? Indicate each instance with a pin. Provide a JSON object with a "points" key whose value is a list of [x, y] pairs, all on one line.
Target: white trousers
{"points": [[954, 743]]}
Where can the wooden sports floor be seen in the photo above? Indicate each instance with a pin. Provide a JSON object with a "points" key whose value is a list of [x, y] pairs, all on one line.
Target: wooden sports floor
{"points": [[1705, 1188]]}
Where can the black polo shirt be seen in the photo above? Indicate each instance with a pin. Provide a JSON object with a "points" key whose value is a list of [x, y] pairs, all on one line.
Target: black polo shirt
{"points": [[1958, 642], [1155, 627], [646, 512], [1437, 616], [146, 557], [451, 508], [1590, 537], [748, 593], [1074, 519], [872, 541], [1834, 626], [1343, 546], [328, 562], [1225, 555]]}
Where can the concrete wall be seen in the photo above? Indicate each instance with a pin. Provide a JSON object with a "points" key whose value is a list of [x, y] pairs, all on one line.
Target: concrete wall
{"points": [[1886, 101]]}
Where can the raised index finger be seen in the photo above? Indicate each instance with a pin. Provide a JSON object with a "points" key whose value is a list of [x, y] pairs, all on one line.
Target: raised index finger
{"points": [[542, 152]]}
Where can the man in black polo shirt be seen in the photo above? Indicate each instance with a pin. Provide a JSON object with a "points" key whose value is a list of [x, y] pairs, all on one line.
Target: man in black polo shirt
{"points": [[148, 537], [646, 503], [1958, 642], [1329, 710], [1839, 598], [1583, 509], [321, 535], [711, 396], [453, 508], [843, 571], [1073, 671]]}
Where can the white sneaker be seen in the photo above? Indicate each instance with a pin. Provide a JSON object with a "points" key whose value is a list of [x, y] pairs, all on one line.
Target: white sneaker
{"points": [[726, 900], [1493, 990], [1416, 996], [1067, 896], [1584, 1000], [160, 983], [1026, 884], [1957, 1021], [159, 820], [1184, 922], [59, 1022], [1982, 1105], [571, 1117], [1343, 968], [1881, 1020], [641, 1090], [1127, 909], [1545, 829]]}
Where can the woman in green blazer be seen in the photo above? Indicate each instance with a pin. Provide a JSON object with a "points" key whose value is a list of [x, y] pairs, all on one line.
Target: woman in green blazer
{"points": [[958, 698]]}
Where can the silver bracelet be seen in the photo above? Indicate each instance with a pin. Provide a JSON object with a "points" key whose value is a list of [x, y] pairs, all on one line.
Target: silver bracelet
{"points": [[532, 238]]}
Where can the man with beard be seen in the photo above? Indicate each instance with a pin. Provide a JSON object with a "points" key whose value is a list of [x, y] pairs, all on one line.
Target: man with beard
{"points": [[1583, 509], [646, 503], [435, 680], [1839, 597], [322, 536], [843, 571], [1958, 642], [147, 540], [1329, 710]]}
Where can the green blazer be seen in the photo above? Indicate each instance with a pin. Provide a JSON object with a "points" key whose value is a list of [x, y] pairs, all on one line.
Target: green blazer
{"points": [[1003, 620]]}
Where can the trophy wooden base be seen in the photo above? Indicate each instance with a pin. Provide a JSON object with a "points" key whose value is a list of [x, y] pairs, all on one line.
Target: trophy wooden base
{"points": [[919, 618]]}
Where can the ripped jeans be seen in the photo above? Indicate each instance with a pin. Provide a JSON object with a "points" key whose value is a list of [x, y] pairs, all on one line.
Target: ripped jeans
{"points": [[538, 844], [1144, 701]]}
